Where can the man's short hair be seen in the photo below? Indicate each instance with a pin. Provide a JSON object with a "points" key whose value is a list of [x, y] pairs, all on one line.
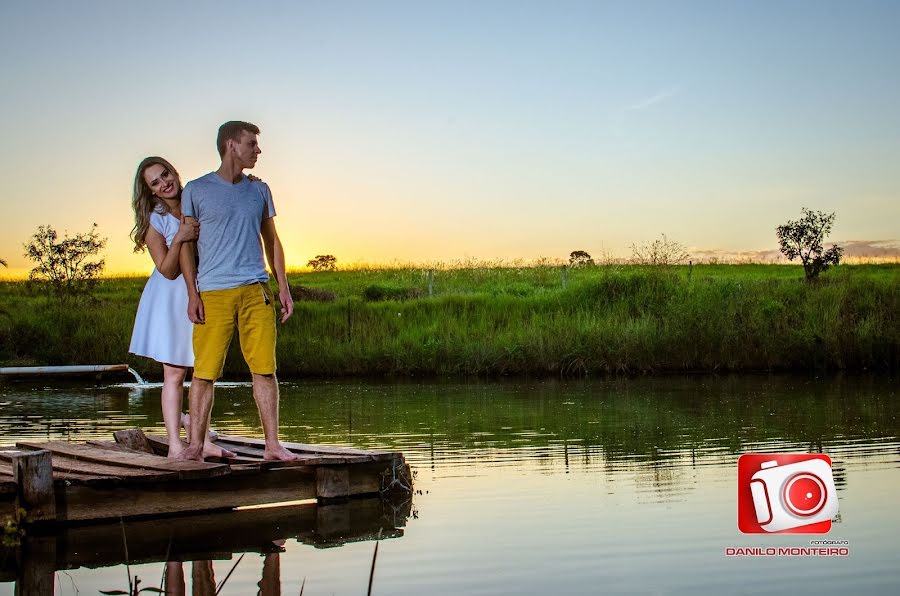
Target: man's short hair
{"points": [[231, 131]]}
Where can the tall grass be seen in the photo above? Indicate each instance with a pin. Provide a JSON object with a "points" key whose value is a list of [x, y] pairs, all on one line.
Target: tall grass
{"points": [[521, 320]]}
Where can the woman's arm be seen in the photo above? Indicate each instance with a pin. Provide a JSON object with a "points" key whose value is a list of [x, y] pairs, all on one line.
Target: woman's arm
{"points": [[166, 258]]}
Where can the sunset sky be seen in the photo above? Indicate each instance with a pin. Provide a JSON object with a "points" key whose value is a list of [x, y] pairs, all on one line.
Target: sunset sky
{"points": [[440, 131]]}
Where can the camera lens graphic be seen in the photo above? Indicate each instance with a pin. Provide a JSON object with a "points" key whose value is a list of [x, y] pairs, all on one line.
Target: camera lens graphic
{"points": [[805, 494]]}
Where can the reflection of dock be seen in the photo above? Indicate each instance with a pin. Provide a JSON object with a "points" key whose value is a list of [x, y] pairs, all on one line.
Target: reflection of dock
{"points": [[58, 481], [207, 536]]}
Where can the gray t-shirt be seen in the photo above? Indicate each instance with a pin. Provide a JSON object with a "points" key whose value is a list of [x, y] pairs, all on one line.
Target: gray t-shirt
{"points": [[230, 215]]}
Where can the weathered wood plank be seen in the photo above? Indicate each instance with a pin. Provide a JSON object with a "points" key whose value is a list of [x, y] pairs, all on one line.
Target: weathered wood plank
{"points": [[300, 448], [79, 503], [251, 453], [184, 469], [332, 482], [60, 477], [134, 439], [7, 485], [33, 474], [62, 463]]}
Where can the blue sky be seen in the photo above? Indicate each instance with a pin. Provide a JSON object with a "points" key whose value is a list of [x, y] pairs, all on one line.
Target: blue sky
{"points": [[422, 131]]}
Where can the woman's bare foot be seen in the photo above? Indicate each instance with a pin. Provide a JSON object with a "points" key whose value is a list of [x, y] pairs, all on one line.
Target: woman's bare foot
{"points": [[210, 450], [186, 423], [175, 449]]}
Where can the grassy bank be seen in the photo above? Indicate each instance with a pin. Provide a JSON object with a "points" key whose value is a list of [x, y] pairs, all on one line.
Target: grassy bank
{"points": [[505, 320]]}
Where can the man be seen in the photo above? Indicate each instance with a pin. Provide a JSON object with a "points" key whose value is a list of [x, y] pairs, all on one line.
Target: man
{"points": [[230, 285]]}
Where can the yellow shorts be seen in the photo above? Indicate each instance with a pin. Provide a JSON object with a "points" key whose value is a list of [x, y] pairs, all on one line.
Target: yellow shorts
{"points": [[252, 308]]}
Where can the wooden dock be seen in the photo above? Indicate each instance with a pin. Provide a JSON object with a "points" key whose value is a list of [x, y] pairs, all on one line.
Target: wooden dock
{"points": [[61, 482]]}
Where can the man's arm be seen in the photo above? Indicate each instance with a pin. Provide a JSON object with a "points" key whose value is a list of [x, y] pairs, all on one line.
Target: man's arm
{"points": [[275, 257], [188, 264]]}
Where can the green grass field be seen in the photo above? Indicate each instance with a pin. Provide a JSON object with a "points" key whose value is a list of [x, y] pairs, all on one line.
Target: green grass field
{"points": [[518, 320]]}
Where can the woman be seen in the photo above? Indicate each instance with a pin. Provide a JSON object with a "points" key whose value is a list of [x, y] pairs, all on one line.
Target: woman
{"points": [[162, 330]]}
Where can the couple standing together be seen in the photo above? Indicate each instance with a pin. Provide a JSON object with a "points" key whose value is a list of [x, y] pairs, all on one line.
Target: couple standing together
{"points": [[229, 218]]}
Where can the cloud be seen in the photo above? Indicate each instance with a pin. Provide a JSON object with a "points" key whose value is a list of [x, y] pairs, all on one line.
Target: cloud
{"points": [[870, 248], [855, 251], [653, 100]]}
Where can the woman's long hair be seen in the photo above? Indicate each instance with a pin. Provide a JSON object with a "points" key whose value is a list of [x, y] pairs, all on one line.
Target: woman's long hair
{"points": [[144, 202]]}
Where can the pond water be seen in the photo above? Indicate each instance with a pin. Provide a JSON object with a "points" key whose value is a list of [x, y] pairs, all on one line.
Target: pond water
{"points": [[541, 487]]}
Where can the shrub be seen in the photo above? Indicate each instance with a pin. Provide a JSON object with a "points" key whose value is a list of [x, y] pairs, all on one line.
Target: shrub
{"points": [[64, 266], [377, 293], [302, 293]]}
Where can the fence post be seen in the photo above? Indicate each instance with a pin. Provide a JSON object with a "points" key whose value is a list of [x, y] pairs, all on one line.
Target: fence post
{"points": [[33, 474], [430, 283], [565, 271]]}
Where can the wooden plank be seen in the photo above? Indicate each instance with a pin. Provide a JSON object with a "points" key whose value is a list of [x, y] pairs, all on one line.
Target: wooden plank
{"points": [[62, 463], [253, 453], [301, 448], [33, 474], [83, 503], [134, 439], [7, 485], [60, 477], [184, 469], [332, 482]]}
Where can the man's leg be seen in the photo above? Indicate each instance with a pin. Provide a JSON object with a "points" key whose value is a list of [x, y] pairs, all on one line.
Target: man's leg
{"points": [[201, 399], [256, 326], [211, 341], [265, 392]]}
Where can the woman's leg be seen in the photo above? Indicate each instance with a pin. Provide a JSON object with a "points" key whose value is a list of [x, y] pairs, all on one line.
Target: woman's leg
{"points": [[172, 397]]}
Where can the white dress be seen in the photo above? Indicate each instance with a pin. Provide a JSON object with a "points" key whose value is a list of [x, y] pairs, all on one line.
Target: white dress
{"points": [[162, 330]]}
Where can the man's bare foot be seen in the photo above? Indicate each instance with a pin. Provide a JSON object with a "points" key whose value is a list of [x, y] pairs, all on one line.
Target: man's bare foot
{"points": [[280, 454], [210, 450], [190, 453], [211, 435]]}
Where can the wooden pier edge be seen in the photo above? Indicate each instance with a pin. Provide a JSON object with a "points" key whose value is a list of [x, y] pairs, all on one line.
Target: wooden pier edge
{"points": [[96, 481]]}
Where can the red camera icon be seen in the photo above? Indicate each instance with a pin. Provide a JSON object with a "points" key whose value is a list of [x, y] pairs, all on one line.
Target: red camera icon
{"points": [[786, 493]]}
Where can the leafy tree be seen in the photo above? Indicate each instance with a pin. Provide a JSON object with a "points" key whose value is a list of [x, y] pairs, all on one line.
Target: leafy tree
{"points": [[64, 266], [580, 258], [803, 238], [661, 251], [323, 263]]}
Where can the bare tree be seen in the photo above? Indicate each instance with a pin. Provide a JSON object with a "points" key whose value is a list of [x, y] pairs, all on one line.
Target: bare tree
{"points": [[661, 251]]}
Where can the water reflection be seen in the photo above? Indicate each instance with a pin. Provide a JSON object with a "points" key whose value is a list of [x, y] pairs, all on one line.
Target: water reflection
{"points": [[550, 487], [199, 540]]}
